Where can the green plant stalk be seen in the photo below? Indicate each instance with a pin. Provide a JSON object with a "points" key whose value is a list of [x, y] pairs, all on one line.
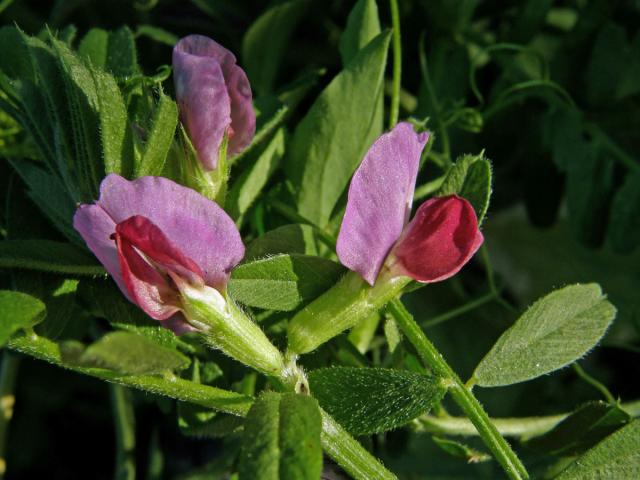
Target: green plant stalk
{"points": [[124, 423], [338, 444], [168, 386], [524, 427], [341, 307], [473, 304], [8, 375], [349, 454], [394, 109], [462, 395], [225, 327], [594, 383]]}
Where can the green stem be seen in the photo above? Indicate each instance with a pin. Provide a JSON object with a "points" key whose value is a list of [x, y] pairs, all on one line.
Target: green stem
{"points": [[8, 376], [169, 386], [594, 383], [394, 111], [125, 430], [349, 454], [461, 394], [473, 304], [338, 444], [524, 427]]}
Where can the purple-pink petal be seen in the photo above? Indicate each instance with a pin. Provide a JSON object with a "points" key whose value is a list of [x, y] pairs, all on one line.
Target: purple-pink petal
{"points": [[214, 97], [197, 225], [379, 200]]}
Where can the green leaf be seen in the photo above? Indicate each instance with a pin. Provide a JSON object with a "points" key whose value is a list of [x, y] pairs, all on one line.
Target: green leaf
{"points": [[253, 179], [555, 331], [616, 457], [590, 182], [266, 41], [581, 430], [19, 310], [460, 450], [283, 282], [332, 138], [122, 59], [294, 238], [470, 177], [624, 228], [371, 400], [125, 353], [165, 120], [48, 256], [282, 439], [50, 196], [93, 47], [363, 25], [117, 155]]}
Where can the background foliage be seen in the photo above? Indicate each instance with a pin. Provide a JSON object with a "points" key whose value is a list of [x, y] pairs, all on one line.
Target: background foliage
{"points": [[548, 91]]}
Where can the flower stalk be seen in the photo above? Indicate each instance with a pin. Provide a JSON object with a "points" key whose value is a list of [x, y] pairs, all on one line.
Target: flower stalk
{"points": [[463, 396], [343, 306]]}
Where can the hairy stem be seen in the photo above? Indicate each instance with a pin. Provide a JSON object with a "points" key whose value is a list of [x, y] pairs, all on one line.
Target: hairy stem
{"points": [[501, 450], [338, 444]]}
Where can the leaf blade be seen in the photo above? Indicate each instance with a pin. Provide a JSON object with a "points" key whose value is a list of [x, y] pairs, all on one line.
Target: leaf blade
{"points": [[555, 331]]}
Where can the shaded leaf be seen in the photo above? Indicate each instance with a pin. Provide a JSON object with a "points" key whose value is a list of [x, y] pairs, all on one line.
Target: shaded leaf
{"points": [[555, 331], [363, 25], [581, 430], [294, 238], [49, 256], [253, 179], [371, 400], [617, 456], [283, 282], [125, 353], [18, 310], [160, 137], [266, 41], [624, 227], [105, 300], [332, 138]]}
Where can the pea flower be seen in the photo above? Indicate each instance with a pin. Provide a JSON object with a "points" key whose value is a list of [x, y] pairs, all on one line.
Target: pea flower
{"points": [[214, 98], [379, 244], [171, 251], [435, 245]]}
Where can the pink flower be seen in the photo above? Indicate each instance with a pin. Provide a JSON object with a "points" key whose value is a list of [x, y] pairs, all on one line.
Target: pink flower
{"points": [[156, 238], [435, 245], [214, 98]]}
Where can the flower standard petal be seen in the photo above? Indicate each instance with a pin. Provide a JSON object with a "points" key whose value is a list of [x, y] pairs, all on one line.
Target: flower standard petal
{"points": [[199, 227], [205, 106], [439, 241], [379, 200], [214, 96]]}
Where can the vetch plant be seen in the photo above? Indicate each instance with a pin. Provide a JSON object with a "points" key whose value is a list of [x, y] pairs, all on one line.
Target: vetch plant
{"points": [[297, 264]]}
